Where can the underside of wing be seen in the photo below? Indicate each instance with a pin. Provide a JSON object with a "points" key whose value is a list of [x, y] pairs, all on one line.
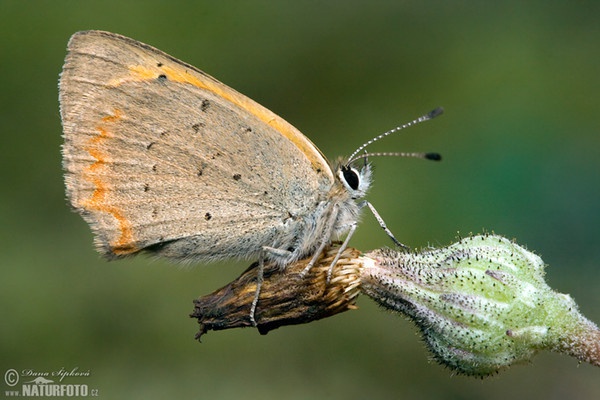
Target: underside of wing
{"points": [[162, 157]]}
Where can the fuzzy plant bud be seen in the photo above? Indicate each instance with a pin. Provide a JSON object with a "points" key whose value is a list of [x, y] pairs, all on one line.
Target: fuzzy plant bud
{"points": [[481, 304]]}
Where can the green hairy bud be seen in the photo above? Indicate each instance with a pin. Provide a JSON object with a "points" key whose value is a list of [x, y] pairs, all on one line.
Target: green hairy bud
{"points": [[481, 304]]}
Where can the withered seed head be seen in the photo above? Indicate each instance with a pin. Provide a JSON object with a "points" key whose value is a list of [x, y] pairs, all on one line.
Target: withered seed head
{"points": [[286, 296]]}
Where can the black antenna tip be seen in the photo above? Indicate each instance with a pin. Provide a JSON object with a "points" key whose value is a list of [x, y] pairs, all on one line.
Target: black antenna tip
{"points": [[436, 112], [433, 156]]}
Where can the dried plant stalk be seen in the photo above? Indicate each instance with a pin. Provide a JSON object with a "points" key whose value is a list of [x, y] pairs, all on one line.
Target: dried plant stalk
{"points": [[286, 297]]}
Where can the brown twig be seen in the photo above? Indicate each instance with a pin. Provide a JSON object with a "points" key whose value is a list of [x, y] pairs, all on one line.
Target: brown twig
{"points": [[286, 297]]}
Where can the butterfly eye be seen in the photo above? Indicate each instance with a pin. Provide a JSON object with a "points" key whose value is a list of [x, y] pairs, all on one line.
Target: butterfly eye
{"points": [[351, 177]]}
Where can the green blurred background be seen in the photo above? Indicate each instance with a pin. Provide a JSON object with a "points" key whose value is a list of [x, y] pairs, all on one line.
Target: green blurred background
{"points": [[520, 83]]}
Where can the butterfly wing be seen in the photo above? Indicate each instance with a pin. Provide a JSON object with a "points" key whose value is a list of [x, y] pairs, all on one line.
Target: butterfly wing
{"points": [[160, 156]]}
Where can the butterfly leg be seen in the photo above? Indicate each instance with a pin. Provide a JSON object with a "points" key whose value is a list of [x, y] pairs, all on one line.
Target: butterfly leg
{"points": [[279, 253], [315, 257], [259, 281], [382, 224], [325, 239], [341, 250], [260, 276]]}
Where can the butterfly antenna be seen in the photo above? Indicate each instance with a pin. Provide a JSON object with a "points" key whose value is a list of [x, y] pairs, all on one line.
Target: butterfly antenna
{"points": [[430, 115], [424, 156]]}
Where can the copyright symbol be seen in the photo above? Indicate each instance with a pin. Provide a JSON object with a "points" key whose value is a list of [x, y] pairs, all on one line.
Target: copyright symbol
{"points": [[11, 377]]}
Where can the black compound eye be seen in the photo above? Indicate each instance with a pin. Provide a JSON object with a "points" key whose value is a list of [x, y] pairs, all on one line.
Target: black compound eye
{"points": [[351, 177]]}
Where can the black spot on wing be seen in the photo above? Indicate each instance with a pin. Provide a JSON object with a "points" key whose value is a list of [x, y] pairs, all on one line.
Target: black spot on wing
{"points": [[205, 105], [196, 127]]}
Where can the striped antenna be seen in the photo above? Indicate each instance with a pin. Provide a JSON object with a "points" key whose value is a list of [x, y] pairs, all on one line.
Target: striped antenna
{"points": [[430, 156], [424, 156]]}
